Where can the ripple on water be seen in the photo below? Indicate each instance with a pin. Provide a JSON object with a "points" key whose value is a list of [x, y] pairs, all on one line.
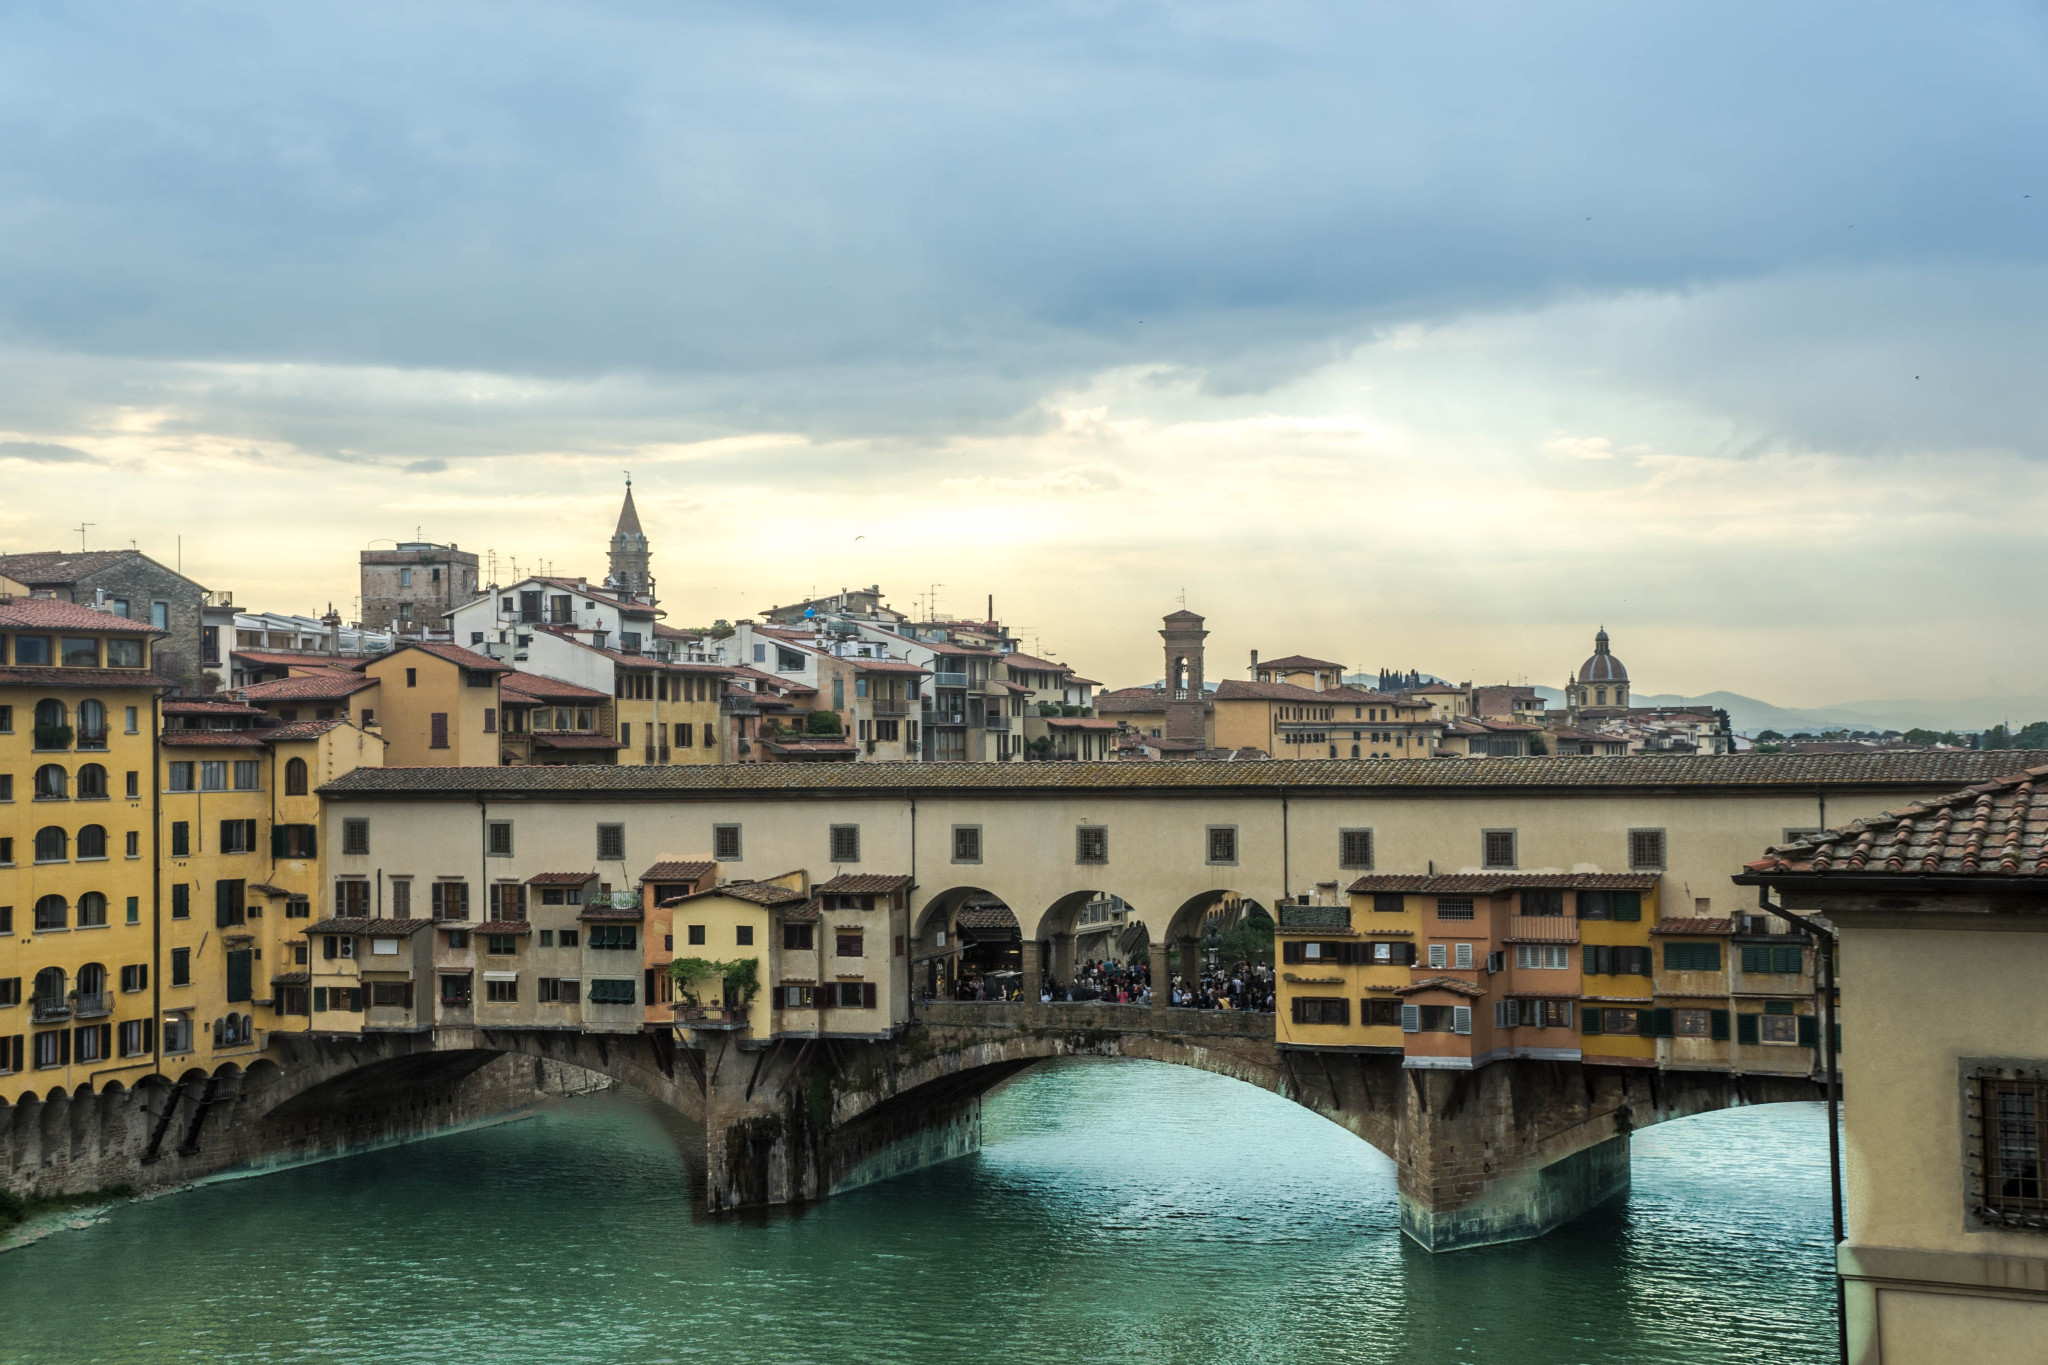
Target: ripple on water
{"points": [[1118, 1211]]}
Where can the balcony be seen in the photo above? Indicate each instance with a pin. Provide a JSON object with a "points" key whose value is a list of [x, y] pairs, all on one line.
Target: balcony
{"points": [[995, 720], [955, 680], [1542, 929], [889, 706], [95, 1006], [47, 1009], [712, 1016], [93, 739]]}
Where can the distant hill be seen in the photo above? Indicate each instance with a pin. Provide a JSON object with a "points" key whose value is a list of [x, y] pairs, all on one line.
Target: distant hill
{"points": [[1749, 715]]}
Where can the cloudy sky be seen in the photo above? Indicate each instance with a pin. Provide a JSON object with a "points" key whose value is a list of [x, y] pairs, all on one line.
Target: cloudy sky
{"points": [[1405, 335]]}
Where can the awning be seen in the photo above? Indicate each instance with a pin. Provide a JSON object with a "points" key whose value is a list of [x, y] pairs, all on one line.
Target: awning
{"points": [[501, 976]]}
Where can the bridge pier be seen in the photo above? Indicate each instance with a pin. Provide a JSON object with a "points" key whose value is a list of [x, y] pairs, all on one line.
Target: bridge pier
{"points": [[1034, 973], [1157, 960]]}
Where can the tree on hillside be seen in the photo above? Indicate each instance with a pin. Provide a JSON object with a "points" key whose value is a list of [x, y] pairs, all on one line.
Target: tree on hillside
{"points": [[1769, 737]]}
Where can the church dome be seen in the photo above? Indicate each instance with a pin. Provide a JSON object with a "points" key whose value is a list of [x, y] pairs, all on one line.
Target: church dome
{"points": [[1603, 667]]}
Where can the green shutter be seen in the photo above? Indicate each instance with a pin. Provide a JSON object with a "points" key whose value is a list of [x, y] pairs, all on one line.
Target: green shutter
{"points": [[1660, 1023], [1589, 1020], [277, 841], [238, 975], [1745, 1028], [1809, 1031], [1717, 1025], [223, 902], [1626, 905], [1785, 960]]}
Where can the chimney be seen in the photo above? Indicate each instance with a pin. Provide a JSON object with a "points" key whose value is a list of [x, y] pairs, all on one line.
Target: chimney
{"points": [[1255, 665]]}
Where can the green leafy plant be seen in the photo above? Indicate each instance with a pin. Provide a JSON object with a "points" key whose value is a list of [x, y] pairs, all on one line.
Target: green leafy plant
{"points": [[53, 736], [823, 723], [741, 977]]}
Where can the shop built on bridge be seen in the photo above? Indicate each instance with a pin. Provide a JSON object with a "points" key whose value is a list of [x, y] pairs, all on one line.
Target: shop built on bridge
{"points": [[1491, 971]]}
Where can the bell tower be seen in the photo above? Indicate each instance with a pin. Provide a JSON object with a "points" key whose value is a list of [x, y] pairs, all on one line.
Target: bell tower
{"points": [[631, 563], [1186, 698]]}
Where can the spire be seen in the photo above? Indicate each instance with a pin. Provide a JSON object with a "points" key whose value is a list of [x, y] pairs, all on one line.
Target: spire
{"points": [[629, 516], [1599, 641]]}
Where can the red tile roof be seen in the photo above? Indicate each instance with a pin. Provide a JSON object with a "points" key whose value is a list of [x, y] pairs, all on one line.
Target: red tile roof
{"points": [[1500, 883], [80, 677], [500, 926], [567, 742], [863, 884], [209, 708], [284, 659], [521, 686], [1239, 689], [760, 893], [1081, 723], [1441, 983], [1992, 829], [614, 913], [1693, 927], [679, 872], [1022, 660], [454, 654], [985, 917], [810, 912], [382, 928], [326, 684], [887, 666], [561, 878], [47, 613], [294, 730], [214, 739], [39, 568], [1297, 663]]}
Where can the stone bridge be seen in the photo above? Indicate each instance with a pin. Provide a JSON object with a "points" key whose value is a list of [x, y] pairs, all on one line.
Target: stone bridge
{"points": [[1502, 1153]]}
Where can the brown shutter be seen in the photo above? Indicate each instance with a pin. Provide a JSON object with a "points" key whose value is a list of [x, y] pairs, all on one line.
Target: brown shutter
{"points": [[867, 995]]}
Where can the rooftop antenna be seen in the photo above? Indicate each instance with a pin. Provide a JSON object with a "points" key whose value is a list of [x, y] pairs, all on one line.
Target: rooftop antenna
{"points": [[931, 603], [81, 534]]}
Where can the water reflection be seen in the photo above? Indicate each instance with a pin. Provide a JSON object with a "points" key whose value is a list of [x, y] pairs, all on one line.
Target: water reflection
{"points": [[1119, 1211]]}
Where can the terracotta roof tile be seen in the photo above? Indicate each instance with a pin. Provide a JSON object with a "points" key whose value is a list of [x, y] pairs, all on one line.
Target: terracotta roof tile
{"points": [[326, 684], [519, 685], [679, 871], [1694, 927], [1997, 828], [613, 914], [985, 917], [1441, 983], [810, 912], [300, 729], [453, 653], [1297, 663], [381, 928], [80, 677], [500, 926], [214, 739], [47, 613], [863, 884], [291, 978], [50, 568], [210, 708], [760, 893], [1500, 883], [1740, 772], [568, 742], [561, 878]]}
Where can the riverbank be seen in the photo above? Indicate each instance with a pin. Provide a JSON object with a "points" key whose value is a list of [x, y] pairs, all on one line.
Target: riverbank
{"points": [[23, 1221], [1116, 1211]]}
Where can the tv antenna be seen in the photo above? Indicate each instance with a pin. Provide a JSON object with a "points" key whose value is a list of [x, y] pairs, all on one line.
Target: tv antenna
{"points": [[81, 534]]}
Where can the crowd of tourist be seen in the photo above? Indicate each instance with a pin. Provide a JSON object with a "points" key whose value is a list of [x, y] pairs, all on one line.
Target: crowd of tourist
{"points": [[1238, 986]]}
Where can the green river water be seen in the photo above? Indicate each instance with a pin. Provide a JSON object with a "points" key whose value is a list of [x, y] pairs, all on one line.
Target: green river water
{"points": [[1120, 1211]]}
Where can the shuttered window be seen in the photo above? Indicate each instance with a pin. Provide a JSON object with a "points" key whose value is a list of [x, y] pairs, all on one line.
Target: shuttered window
{"points": [[239, 973], [437, 727], [227, 904], [1746, 1028], [1692, 957], [1313, 1009]]}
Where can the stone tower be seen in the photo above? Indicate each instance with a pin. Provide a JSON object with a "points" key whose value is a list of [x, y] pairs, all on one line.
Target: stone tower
{"points": [[631, 573], [1186, 698]]}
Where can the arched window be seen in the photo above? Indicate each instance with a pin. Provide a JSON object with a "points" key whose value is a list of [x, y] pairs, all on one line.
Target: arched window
{"points": [[92, 724], [295, 777], [49, 713], [52, 913], [91, 980], [92, 841], [92, 783], [92, 911], [1354, 751], [52, 844], [52, 782], [50, 988]]}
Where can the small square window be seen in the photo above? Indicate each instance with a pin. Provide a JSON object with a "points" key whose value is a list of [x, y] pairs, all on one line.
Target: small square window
{"points": [[1646, 850], [845, 844], [696, 936], [743, 934], [355, 836], [967, 843], [1499, 848], [1354, 848], [1223, 843], [725, 843], [611, 842], [1091, 844], [500, 845]]}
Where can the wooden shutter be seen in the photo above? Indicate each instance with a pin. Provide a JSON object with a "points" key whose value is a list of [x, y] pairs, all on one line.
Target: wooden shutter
{"points": [[223, 912], [438, 727], [1660, 1023], [1411, 1018], [1627, 905], [1500, 1014], [1717, 1025], [1745, 1028], [239, 971], [1589, 1019], [1809, 1031], [319, 998], [1461, 1018], [867, 995]]}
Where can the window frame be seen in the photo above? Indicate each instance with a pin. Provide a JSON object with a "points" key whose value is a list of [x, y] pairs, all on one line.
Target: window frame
{"points": [[1663, 853], [974, 835], [1486, 858], [1098, 836], [842, 843], [1345, 858], [1210, 842]]}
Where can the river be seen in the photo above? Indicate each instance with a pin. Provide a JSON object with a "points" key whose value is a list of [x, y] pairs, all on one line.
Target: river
{"points": [[1119, 1211]]}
